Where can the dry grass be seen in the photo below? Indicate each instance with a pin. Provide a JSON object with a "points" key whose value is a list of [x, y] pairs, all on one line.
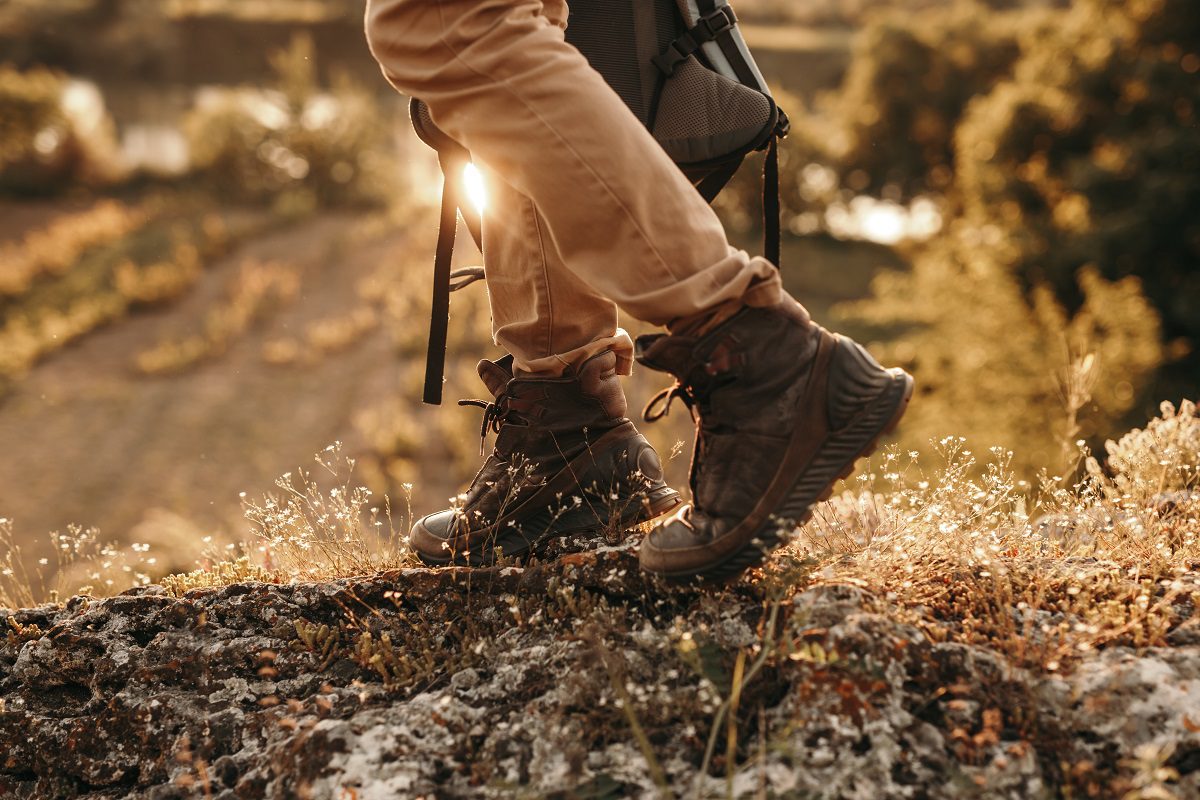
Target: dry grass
{"points": [[89, 269], [309, 533], [1044, 573], [964, 551], [82, 563], [54, 249]]}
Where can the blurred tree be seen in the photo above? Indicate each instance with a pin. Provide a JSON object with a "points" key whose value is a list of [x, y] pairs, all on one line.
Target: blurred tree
{"points": [[909, 82], [1068, 150], [1090, 154]]}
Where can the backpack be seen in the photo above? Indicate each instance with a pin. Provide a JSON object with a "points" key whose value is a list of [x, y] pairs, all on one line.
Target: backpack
{"points": [[684, 70]]}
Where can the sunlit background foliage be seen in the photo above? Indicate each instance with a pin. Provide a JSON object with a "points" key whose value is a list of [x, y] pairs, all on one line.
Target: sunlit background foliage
{"points": [[216, 229]]}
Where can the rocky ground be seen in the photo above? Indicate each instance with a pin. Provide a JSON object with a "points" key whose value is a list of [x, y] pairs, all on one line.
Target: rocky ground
{"points": [[569, 678]]}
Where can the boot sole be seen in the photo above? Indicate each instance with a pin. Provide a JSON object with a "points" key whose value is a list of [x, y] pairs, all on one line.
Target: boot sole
{"points": [[815, 484]]}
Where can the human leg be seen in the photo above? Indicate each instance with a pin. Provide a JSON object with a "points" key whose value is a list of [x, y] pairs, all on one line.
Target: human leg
{"points": [[499, 77], [783, 407], [542, 313]]}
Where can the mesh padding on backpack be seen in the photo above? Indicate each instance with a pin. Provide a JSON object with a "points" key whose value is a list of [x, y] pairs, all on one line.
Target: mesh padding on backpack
{"points": [[606, 34], [704, 116], [429, 133], [423, 124]]}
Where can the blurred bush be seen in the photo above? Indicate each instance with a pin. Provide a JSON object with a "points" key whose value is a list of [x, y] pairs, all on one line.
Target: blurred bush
{"points": [[54, 133], [295, 145], [890, 129], [1006, 367], [52, 251], [1065, 146], [257, 291], [1090, 154], [90, 268]]}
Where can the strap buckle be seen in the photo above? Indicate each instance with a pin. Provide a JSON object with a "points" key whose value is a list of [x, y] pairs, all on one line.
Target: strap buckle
{"points": [[720, 21], [706, 29]]}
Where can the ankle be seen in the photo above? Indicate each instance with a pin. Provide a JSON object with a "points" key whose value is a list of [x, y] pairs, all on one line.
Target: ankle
{"points": [[698, 325]]}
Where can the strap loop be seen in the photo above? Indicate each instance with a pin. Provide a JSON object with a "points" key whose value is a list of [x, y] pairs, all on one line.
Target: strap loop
{"points": [[706, 29], [660, 405], [462, 278], [439, 319]]}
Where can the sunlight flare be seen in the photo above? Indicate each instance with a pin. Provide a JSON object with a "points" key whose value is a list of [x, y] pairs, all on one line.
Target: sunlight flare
{"points": [[476, 189]]}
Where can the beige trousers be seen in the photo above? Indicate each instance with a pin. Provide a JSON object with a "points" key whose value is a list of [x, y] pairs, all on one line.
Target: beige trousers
{"points": [[586, 213]]}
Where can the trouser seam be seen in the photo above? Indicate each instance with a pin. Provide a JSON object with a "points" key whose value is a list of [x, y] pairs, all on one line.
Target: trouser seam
{"points": [[537, 228]]}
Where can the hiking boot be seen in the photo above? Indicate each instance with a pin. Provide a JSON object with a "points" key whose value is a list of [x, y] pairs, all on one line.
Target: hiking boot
{"points": [[566, 461], [783, 409]]}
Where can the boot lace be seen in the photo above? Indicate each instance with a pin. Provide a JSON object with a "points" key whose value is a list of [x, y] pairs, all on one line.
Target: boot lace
{"points": [[495, 414], [660, 405]]}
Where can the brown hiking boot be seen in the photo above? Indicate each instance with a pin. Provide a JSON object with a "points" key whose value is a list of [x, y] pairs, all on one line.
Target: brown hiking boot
{"points": [[783, 410], [566, 461]]}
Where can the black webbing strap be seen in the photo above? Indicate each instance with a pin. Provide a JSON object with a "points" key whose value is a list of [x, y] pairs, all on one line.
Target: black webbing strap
{"points": [[439, 319], [707, 28], [446, 281], [711, 185], [772, 234], [745, 74]]}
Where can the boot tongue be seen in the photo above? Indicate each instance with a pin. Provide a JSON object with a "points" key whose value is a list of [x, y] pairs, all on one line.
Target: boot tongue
{"points": [[666, 353], [496, 374]]}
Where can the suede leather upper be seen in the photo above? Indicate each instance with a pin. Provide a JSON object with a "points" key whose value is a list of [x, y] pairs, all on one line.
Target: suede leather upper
{"points": [[560, 442], [773, 395]]}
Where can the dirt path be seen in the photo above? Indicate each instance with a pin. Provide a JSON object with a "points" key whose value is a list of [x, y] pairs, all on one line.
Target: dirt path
{"points": [[88, 440]]}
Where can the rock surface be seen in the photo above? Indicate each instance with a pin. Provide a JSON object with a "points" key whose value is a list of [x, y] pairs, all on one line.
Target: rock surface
{"points": [[541, 681]]}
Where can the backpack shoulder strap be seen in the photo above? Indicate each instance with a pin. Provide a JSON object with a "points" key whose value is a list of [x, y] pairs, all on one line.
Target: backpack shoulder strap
{"points": [[439, 319], [727, 52], [772, 233], [452, 158], [445, 280]]}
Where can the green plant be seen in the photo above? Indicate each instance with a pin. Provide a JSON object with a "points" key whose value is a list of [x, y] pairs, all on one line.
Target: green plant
{"points": [[320, 640], [18, 634], [985, 352], [295, 145], [54, 133]]}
